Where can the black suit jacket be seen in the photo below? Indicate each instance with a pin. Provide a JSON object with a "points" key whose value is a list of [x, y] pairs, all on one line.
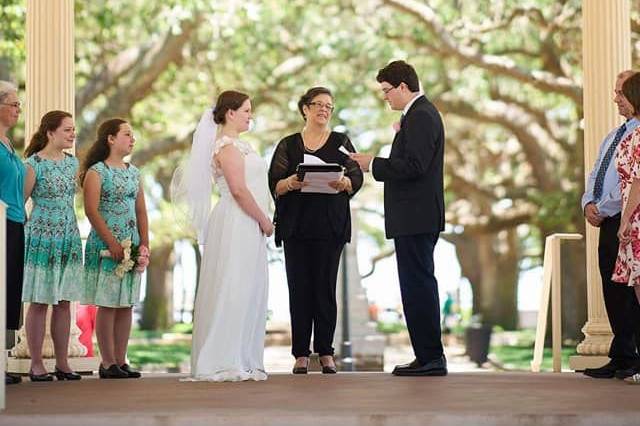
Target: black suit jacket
{"points": [[413, 174]]}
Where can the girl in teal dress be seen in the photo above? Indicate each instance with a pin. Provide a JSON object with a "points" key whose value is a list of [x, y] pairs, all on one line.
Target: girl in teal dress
{"points": [[115, 206], [53, 250]]}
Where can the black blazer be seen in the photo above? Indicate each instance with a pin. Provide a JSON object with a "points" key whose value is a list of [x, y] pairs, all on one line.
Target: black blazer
{"points": [[413, 174], [312, 216]]}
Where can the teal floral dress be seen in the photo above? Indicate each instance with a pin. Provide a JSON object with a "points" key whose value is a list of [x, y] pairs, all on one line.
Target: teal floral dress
{"points": [[119, 190], [53, 249]]}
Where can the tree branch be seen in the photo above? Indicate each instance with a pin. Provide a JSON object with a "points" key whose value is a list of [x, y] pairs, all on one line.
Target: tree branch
{"points": [[499, 65], [142, 77]]}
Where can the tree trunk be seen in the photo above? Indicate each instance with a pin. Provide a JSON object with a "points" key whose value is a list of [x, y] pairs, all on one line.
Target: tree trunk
{"points": [[574, 289], [158, 303], [490, 263]]}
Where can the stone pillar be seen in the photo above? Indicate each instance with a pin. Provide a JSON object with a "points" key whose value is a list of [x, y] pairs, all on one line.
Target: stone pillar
{"points": [[367, 345], [50, 85], [606, 51]]}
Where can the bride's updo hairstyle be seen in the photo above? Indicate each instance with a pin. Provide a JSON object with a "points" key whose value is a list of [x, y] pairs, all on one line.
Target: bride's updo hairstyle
{"points": [[228, 100]]}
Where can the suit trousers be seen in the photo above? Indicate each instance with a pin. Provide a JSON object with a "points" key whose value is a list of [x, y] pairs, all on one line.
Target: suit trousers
{"points": [[419, 291], [619, 299], [312, 271]]}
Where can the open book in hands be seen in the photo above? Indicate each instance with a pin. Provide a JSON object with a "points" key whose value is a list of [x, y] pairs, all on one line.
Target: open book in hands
{"points": [[317, 175]]}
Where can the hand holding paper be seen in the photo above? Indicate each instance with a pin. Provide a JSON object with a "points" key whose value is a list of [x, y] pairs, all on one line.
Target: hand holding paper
{"points": [[318, 175]]}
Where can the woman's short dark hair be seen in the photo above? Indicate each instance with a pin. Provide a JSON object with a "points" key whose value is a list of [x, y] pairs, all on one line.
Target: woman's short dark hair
{"points": [[397, 72], [228, 100], [307, 98], [631, 91]]}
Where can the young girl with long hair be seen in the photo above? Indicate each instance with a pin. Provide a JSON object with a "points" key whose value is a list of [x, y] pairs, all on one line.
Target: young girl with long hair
{"points": [[115, 205], [53, 249]]}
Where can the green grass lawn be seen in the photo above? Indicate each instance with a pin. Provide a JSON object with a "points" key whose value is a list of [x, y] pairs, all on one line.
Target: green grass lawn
{"points": [[519, 357], [169, 355]]}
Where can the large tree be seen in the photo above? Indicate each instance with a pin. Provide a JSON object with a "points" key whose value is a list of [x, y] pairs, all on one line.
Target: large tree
{"points": [[505, 73]]}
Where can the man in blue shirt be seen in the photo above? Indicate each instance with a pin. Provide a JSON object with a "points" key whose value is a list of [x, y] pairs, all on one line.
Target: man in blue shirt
{"points": [[602, 204]]}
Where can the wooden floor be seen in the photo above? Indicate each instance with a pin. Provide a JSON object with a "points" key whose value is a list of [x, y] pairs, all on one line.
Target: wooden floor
{"points": [[344, 399]]}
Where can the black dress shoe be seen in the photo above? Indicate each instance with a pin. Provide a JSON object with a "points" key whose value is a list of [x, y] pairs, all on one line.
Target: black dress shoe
{"points": [[623, 373], [113, 372], [411, 365], [61, 375], [607, 371], [436, 367], [11, 379], [133, 374], [45, 377]]}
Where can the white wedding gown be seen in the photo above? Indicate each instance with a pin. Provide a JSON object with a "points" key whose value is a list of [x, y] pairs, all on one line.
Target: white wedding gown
{"points": [[231, 301]]}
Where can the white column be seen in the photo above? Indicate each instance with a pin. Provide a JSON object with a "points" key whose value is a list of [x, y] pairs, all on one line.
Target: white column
{"points": [[50, 85], [606, 51]]}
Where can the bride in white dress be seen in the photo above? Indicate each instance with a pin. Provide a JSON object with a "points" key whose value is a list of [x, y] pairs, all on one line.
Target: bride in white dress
{"points": [[231, 300]]}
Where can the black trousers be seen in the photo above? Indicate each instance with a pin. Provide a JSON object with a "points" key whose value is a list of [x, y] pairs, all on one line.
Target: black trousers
{"points": [[312, 271], [15, 272], [619, 299], [419, 291]]}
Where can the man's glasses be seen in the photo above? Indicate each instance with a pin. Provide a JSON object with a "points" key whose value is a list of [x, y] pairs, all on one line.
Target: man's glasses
{"points": [[12, 104], [320, 105], [386, 90]]}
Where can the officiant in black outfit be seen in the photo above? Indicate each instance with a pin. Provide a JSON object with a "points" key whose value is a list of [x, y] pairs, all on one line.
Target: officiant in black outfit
{"points": [[314, 227]]}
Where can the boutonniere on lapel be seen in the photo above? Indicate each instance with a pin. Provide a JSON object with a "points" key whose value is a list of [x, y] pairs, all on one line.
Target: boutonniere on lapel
{"points": [[396, 126]]}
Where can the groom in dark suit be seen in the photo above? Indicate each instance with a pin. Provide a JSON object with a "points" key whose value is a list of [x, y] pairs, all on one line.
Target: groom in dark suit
{"points": [[414, 211]]}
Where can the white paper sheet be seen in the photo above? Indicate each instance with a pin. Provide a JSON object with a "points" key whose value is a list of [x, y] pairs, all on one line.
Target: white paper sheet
{"points": [[318, 182]]}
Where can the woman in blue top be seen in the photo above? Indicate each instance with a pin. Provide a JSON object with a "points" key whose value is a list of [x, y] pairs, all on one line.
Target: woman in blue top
{"points": [[11, 193], [53, 249]]}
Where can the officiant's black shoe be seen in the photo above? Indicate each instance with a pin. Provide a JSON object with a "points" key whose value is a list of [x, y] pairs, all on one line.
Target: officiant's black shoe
{"points": [[607, 371], [327, 369], [61, 375], [133, 374], [436, 367], [45, 377], [113, 372], [301, 370]]}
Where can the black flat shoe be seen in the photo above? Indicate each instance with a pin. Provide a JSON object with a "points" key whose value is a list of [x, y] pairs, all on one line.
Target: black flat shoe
{"points": [[328, 369], [46, 377], [11, 379], [61, 375], [133, 374], [113, 372]]}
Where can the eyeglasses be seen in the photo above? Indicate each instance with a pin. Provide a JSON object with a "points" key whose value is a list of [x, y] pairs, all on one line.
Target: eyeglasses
{"points": [[386, 90], [320, 105], [12, 104]]}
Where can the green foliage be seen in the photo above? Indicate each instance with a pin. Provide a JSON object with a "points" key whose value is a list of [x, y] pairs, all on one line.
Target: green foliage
{"points": [[167, 355], [12, 44], [514, 144], [520, 357]]}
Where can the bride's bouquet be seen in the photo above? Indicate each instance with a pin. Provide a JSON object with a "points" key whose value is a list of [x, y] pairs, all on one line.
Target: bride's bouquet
{"points": [[134, 257]]}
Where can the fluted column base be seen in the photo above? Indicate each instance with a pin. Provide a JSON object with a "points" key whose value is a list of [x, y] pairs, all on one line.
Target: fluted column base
{"points": [[594, 348]]}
